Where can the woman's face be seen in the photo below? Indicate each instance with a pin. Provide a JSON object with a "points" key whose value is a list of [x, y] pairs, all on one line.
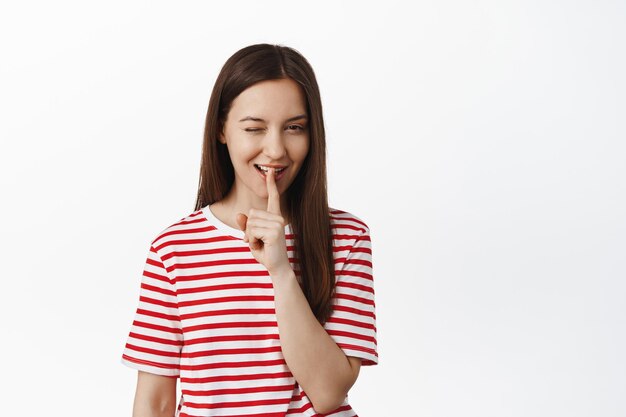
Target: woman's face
{"points": [[267, 125]]}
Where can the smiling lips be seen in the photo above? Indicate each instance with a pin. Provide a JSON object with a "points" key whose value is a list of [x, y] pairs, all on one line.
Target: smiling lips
{"points": [[263, 169]]}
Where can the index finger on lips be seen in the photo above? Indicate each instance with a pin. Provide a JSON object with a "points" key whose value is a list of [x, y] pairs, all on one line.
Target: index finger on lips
{"points": [[273, 196]]}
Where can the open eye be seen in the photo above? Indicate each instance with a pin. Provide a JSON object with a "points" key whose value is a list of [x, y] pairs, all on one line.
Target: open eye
{"points": [[295, 128]]}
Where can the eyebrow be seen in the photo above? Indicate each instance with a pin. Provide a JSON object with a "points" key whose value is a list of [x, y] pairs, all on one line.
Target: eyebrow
{"points": [[258, 119]]}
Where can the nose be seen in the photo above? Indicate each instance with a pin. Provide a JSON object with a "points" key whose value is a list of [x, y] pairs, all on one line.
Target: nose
{"points": [[273, 145]]}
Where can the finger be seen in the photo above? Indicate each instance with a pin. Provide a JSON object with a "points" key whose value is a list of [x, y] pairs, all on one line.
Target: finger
{"points": [[254, 243], [264, 234], [273, 197], [242, 222], [258, 214], [256, 237], [265, 223]]}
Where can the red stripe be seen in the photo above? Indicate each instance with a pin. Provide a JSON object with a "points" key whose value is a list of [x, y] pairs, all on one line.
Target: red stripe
{"points": [[363, 238], [196, 216], [357, 274], [203, 240], [214, 263], [299, 396], [247, 377], [235, 261], [222, 287], [157, 289], [351, 323], [350, 249], [354, 298], [155, 262], [212, 251], [253, 324], [153, 351], [338, 236], [355, 286], [355, 311], [157, 315], [157, 327], [156, 339], [349, 226], [253, 311], [336, 215], [344, 248], [351, 218], [174, 232], [357, 347], [145, 362], [366, 250], [358, 262], [230, 299], [157, 302], [351, 335], [156, 276], [309, 405], [206, 240], [302, 410], [198, 241], [225, 274], [271, 388], [279, 414], [237, 337], [241, 364], [234, 404], [239, 351], [202, 251], [196, 219]]}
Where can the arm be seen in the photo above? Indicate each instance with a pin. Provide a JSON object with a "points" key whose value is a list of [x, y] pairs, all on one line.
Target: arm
{"points": [[318, 363], [325, 373], [155, 395]]}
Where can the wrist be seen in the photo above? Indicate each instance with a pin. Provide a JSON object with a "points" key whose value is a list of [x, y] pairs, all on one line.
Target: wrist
{"points": [[283, 274]]}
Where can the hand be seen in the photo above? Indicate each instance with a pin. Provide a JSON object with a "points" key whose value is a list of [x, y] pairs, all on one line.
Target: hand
{"points": [[265, 230]]}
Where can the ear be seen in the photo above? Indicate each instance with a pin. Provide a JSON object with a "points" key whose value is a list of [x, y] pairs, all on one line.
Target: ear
{"points": [[221, 136]]}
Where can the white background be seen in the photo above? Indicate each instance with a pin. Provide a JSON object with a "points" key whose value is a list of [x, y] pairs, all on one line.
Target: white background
{"points": [[483, 142]]}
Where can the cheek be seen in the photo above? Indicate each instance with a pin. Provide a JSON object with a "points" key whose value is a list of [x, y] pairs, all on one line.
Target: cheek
{"points": [[302, 150], [241, 153]]}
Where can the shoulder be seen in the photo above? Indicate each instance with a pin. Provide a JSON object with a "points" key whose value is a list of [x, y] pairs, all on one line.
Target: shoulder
{"points": [[349, 231], [184, 227], [352, 244], [345, 222]]}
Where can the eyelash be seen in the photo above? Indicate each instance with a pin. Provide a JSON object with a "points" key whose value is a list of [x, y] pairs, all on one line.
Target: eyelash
{"points": [[255, 130]]}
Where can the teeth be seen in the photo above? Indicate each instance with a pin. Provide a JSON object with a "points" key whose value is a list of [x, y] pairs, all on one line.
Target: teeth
{"points": [[265, 169]]}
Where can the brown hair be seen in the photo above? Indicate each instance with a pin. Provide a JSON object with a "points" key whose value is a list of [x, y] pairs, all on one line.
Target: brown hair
{"points": [[308, 209]]}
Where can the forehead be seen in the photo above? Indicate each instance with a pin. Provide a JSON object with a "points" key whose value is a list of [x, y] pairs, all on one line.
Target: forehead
{"points": [[271, 99]]}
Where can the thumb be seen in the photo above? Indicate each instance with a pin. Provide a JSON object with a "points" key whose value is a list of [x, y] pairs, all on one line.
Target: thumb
{"points": [[242, 221]]}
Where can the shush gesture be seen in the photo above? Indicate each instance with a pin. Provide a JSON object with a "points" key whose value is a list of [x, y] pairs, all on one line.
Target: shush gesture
{"points": [[265, 230]]}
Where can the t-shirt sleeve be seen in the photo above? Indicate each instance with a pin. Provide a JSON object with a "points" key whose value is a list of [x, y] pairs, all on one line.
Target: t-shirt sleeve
{"points": [[156, 338], [352, 324]]}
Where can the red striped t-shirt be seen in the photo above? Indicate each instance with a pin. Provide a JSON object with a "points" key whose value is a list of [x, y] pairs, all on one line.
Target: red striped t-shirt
{"points": [[206, 315]]}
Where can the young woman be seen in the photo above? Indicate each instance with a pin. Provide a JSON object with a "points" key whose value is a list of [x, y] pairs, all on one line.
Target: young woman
{"points": [[261, 301]]}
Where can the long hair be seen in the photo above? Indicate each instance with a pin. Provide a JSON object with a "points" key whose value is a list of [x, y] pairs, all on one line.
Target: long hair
{"points": [[308, 208]]}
